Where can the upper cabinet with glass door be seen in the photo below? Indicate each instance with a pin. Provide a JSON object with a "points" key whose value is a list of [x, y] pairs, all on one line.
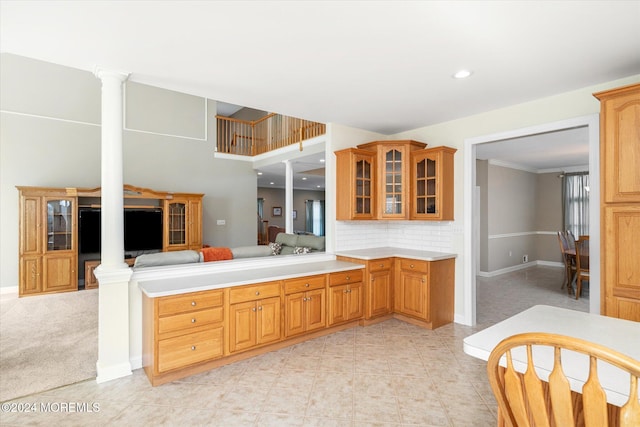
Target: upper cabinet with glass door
{"points": [[392, 176], [432, 184], [395, 180]]}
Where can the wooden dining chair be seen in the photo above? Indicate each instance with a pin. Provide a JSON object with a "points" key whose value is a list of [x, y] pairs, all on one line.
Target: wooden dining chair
{"points": [[568, 259], [526, 400], [582, 263]]}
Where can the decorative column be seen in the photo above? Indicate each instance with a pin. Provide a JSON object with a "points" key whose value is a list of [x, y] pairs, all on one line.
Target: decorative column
{"points": [[113, 274], [288, 196]]}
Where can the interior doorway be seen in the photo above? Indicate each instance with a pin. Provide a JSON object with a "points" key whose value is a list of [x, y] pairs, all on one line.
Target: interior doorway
{"points": [[471, 246]]}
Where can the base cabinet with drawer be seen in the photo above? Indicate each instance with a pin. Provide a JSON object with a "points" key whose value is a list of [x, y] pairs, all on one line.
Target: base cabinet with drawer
{"points": [[423, 290], [254, 316], [305, 305], [187, 329], [346, 297]]}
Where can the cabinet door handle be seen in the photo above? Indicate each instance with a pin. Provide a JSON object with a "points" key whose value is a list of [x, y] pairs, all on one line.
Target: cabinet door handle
{"points": [[348, 278], [260, 308], [193, 303], [423, 280], [411, 265], [257, 292], [309, 299], [346, 291], [193, 320], [306, 285], [253, 309], [304, 299], [193, 347]]}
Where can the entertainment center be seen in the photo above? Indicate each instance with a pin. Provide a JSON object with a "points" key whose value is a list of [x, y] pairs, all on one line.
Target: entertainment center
{"points": [[59, 232]]}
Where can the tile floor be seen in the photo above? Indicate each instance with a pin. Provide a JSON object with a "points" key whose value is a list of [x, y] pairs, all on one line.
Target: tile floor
{"points": [[388, 374]]}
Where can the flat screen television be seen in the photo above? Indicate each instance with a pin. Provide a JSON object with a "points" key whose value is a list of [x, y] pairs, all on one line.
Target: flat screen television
{"points": [[142, 230]]}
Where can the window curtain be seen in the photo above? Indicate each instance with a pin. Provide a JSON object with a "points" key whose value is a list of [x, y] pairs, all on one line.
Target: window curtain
{"points": [[260, 207], [314, 222], [576, 203]]}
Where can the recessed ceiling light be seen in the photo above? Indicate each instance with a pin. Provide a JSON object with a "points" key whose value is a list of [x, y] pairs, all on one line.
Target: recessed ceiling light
{"points": [[321, 160], [462, 74], [304, 178], [318, 186], [259, 173], [271, 183]]}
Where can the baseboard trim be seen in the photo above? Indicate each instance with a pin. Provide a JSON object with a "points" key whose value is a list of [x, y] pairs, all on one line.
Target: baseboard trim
{"points": [[519, 267], [6, 290]]}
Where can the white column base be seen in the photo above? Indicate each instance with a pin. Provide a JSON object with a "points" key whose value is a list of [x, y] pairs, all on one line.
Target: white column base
{"points": [[112, 372], [113, 322]]}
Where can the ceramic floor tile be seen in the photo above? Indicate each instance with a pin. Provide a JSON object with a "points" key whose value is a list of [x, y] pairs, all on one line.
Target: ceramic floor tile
{"points": [[376, 409]]}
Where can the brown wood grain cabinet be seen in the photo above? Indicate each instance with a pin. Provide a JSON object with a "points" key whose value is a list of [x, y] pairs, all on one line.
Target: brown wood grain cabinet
{"points": [[346, 297], [182, 331], [395, 180], [48, 240], [305, 305], [355, 181], [254, 316], [424, 290], [620, 201], [183, 223]]}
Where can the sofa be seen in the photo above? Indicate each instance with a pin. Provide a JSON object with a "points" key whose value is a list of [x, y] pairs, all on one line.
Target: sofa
{"points": [[285, 244]]}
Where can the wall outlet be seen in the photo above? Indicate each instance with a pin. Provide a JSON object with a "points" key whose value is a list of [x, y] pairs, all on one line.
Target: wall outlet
{"points": [[525, 258], [221, 222]]}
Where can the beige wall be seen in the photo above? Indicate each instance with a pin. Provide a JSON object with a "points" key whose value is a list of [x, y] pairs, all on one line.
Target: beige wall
{"points": [[50, 136], [276, 196]]}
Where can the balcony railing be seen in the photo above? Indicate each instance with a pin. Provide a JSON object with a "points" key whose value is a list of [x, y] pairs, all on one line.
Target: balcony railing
{"points": [[250, 138]]}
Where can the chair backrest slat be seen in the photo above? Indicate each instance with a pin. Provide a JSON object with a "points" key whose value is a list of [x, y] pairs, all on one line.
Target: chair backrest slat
{"points": [[630, 411], [535, 393], [594, 399], [514, 393], [560, 393]]}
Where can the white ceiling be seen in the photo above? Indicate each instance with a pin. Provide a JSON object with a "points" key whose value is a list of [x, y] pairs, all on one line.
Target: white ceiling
{"points": [[383, 66]]}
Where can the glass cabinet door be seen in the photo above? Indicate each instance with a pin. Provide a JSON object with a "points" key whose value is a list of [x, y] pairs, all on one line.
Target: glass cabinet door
{"points": [[392, 193], [425, 193], [177, 223], [363, 186], [60, 224]]}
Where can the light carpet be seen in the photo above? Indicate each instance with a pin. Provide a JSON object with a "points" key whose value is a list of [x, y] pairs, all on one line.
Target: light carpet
{"points": [[47, 341]]}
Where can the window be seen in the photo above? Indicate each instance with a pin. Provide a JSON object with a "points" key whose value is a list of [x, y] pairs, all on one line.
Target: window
{"points": [[315, 217], [576, 203]]}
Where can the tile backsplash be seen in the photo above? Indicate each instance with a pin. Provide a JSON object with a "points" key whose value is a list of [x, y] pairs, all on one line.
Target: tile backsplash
{"points": [[421, 235]]}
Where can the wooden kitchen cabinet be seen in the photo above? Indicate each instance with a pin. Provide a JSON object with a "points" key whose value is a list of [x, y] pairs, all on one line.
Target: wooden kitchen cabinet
{"points": [[424, 290], [379, 288], [355, 180], [392, 176], [254, 316], [305, 305], [346, 297], [182, 331], [48, 240], [620, 202], [432, 184]]}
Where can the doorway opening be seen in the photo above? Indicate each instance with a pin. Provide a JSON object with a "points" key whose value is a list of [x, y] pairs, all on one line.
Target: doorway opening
{"points": [[471, 246]]}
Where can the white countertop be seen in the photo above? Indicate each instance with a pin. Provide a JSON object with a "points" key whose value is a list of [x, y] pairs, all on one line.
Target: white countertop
{"points": [[387, 252], [620, 335], [223, 279]]}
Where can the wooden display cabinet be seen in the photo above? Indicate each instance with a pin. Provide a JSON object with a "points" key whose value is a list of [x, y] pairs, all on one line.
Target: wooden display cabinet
{"points": [[254, 316], [620, 202], [90, 280], [346, 297], [48, 240], [432, 184], [378, 281], [305, 305], [183, 223], [392, 176], [355, 182]]}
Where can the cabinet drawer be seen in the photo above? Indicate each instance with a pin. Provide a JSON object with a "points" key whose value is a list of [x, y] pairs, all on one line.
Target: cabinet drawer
{"points": [[190, 320], [254, 292], [380, 264], [304, 284], [188, 302], [187, 349], [414, 265], [345, 277]]}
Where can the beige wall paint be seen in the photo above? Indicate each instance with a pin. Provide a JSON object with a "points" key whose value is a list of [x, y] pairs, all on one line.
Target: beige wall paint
{"points": [[275, 197], [50, 136]]}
